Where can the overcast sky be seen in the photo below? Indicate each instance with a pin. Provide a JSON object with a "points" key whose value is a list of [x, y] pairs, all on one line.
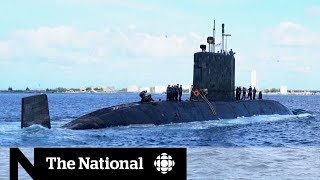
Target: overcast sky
{"points": [[77, 43]]}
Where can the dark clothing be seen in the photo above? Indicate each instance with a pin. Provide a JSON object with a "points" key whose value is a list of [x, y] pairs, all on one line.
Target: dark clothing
{"points": [[191, 94], [231, 53], [142, 94], [175, 93], [238, 93], [260, 95], [250, 93], [145, 98], [244, 92], [180, 93], [254, 93], [168, 93], [148, 98]]}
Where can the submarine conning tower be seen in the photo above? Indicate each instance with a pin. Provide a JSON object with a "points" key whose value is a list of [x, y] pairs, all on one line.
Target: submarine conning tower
{"points": [[215, 71]]}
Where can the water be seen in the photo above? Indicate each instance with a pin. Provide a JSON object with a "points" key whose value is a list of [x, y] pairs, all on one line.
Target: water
{"points": [[264, 147]]}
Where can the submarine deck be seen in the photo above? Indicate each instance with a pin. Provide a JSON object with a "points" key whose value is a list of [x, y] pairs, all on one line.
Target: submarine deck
{"points": [[164, 112]]}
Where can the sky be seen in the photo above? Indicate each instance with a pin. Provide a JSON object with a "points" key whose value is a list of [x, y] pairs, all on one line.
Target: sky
{"points": [[79, 43]]}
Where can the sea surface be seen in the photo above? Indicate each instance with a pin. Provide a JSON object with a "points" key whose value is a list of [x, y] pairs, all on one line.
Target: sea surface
{"points": [[259, 147]]}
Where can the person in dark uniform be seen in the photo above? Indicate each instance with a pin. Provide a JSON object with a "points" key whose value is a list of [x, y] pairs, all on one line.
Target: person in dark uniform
{"points": [[260, 94], [143, 95], [176, 92], [244, 92], [231, 53], [250, 92], [172, 93], [254, 93], [168, 92], [238, 93], [239, 96], [191, 93], [180, 92], [149, 98]]}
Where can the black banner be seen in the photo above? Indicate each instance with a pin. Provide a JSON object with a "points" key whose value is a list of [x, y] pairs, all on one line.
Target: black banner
{"points": [[102, 163]]}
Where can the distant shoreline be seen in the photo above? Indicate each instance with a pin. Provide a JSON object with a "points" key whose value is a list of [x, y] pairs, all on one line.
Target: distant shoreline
{"points": [[91, 92], [43, 91]]}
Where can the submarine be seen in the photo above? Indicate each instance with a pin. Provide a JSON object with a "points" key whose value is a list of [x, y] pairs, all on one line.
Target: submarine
{"points": [[214, 81]]}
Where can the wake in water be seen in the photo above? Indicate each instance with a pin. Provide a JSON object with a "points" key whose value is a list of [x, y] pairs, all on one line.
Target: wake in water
{"points": [[15, 126], [222, 132], [300, 111]]}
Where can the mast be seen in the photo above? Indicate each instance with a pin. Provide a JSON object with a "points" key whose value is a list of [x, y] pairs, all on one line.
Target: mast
{"points": [[222, 41], [214, 34]]}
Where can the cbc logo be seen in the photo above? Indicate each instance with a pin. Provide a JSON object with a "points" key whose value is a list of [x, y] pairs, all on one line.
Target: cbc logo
{"points": [[164, 163]]}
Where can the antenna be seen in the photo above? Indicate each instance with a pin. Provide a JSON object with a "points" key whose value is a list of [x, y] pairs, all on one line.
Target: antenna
{"points": [[214, 36], [222, 42]]}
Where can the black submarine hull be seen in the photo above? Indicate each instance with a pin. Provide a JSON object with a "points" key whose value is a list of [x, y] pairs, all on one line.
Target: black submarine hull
{"points": [[165, 112]]}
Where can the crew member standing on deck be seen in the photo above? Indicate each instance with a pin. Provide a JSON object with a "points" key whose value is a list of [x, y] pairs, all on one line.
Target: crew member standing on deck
{"points": [[168, 92], [244, 92], [191, 93], [173, 93], [260, 94], [250, 92], [176, 92], [180, 92], [231, 53], [254, 93], [238, 93]]}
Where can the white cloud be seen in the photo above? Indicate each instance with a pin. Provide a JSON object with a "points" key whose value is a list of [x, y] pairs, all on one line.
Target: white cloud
{"points": [[292, 34], [313, 11], [56, 37], [65, 43], [151, 7]]}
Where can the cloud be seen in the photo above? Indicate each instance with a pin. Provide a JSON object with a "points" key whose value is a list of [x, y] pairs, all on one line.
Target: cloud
{"points": [[313, 11], [66, 43], [56, 55], [151, 7], [292, 34]]}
